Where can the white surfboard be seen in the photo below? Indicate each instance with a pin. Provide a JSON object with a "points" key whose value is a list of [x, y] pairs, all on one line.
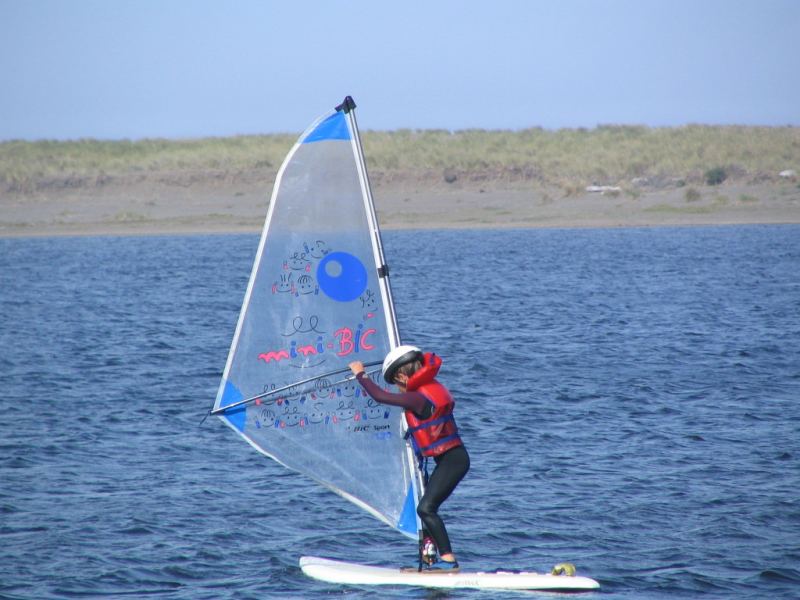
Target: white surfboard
{"points": [[335, 571]]}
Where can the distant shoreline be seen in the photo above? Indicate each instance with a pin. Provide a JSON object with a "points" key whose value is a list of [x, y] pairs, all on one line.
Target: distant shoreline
{"points": [[152, 208], [610, 176]]}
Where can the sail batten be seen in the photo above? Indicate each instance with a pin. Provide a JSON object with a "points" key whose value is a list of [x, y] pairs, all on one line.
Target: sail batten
{"points": [[317, 299]]}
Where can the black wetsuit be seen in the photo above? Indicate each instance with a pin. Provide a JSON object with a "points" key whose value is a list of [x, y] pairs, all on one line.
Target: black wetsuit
{"points": [[451, 466]]}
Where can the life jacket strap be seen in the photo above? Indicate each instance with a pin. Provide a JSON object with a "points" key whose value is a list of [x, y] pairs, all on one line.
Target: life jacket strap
{"points": [[419, 452], [427, 424], [444, 440]]}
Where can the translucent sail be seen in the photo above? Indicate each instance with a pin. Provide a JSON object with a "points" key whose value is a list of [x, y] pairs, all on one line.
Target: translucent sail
{"points": [[318, 299]]}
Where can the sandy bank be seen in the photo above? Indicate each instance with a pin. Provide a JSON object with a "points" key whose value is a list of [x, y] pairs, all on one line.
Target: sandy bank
{"points": [[161, 208]]}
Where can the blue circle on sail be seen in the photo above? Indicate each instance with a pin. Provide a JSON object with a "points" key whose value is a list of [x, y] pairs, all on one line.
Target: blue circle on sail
{"points": [[342, 276]]}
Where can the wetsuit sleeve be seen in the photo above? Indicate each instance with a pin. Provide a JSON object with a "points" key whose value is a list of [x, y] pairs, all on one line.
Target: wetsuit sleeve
{"points": [[413, 401]]}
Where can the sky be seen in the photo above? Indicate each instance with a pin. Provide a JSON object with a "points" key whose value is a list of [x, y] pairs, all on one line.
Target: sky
{"points": [[132, 69]]}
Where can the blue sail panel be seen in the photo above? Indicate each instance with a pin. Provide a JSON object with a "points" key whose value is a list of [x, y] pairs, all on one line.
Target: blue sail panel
{"points": [[408, 518], [231, 395], [332, 128]]}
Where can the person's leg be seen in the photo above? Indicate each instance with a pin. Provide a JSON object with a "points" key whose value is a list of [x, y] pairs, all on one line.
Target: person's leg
{"points": [[449, 471]]}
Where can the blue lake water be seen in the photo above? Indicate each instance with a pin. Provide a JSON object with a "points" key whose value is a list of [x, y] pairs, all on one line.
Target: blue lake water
{"points": [[630, 399]]}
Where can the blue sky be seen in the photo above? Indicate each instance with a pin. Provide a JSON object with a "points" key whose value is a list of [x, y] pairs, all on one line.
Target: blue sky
{"points": [[116, 69]]}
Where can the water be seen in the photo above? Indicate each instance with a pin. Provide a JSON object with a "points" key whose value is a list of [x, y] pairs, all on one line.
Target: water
{"points": [[629, 399]]}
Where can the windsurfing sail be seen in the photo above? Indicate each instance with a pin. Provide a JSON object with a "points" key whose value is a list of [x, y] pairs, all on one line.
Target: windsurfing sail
{"points": [[319, 298]]}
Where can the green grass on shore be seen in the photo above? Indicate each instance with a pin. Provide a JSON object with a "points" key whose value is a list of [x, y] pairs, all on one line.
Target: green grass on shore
{"points": [[610, 155]]}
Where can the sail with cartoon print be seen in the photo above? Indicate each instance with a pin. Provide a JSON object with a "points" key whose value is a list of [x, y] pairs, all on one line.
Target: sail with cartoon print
{"points": [[319, 298]]}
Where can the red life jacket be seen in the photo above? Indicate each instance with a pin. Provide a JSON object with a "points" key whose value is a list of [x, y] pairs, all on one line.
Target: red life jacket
{"points": [[438, 433]]}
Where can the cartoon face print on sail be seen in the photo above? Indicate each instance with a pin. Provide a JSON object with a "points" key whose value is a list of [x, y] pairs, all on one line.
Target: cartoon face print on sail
{"points": [[298, 262], [369, 303], [316, 250], [317, 414], [265, 412], [345, 410], [290, 414], [291, 407], [349, 389], [266, 417], [306, 285], [323, 389], [375, 410], [284, 284], [370, 409]]}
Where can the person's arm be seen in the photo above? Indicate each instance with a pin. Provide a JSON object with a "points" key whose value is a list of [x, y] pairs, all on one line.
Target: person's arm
{"points": [[416, 402]]}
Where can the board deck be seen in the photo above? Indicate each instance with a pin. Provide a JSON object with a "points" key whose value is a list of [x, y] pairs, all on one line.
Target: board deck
{"points": [[335, 571]]}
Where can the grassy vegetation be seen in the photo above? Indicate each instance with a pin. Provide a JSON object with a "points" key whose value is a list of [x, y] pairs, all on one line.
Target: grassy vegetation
{"points": [[567, 158], [605, 155], [27, 165]]}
